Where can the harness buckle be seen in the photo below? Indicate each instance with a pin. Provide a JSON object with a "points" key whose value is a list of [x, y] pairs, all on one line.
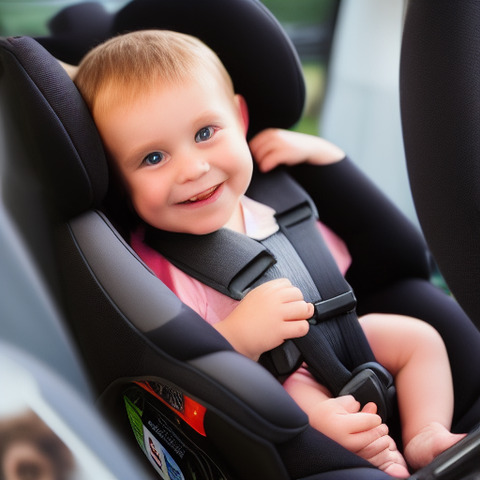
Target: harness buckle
{"points": [[331, 307], [371, 382]]}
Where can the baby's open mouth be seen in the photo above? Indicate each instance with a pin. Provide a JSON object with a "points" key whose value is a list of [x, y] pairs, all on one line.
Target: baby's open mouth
{"points": [[202, 196]]}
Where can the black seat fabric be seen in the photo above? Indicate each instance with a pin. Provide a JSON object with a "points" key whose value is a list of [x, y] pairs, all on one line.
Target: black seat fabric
{"points": [[130, 327], [440, 89]]}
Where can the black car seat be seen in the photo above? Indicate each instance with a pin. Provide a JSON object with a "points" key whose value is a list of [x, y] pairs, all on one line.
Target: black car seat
{"points": [[440, 114], [132, 329], [124, 320]]}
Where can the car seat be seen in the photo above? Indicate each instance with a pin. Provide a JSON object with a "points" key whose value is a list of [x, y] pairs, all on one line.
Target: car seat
{"points": [[132, 331], [440, 114]]}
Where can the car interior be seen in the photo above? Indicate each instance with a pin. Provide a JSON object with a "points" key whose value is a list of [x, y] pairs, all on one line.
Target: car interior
{"points": [[132, 380]]}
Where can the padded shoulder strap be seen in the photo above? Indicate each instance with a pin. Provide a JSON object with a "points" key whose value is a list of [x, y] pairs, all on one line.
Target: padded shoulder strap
{"points": [[205, 257]]}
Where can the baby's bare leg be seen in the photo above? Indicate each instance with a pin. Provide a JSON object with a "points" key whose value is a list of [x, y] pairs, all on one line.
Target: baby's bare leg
{"points": [[415, 355]]}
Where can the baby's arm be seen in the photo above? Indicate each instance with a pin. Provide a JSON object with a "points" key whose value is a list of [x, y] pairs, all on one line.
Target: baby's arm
{"points": [[273, 147], [268, 315]]}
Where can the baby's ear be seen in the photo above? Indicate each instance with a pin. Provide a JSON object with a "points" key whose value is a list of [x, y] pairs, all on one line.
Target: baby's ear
{"points": [[243, 109]]}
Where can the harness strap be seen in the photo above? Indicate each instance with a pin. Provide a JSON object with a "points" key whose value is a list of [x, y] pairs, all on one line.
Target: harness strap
{"points": [[335, 344], [337, 333], [335, 319]]}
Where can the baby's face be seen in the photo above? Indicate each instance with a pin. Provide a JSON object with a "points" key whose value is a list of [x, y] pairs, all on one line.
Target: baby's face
{"points": [[182, 155]]}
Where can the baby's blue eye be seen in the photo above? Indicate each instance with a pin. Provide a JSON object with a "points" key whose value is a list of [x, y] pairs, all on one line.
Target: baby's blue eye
{"points": [[204, 134], [154, 158]]}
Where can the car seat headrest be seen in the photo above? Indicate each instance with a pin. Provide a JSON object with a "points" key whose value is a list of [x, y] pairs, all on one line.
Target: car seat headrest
{"points": [[250, 42], [59, 131]]}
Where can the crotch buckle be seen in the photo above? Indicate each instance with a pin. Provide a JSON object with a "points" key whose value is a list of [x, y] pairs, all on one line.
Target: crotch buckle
{"points": [[371, 382]]}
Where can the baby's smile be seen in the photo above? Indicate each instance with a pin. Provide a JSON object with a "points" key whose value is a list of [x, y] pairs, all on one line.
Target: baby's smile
{"points": [[203, 195]]}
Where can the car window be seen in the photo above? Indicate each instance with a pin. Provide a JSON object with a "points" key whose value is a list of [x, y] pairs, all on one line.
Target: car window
{"points": [[310, 24]]}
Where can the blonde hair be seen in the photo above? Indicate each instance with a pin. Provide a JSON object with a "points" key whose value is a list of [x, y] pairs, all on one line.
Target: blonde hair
{"points": [[130, 65]]}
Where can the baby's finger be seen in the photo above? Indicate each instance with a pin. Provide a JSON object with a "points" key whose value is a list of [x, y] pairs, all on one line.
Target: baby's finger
{"points": [[370, 407], [266, 160], [266, 164], [290, 293], [365, 423], [295, 329], [349, 403], [297, 310], [261, 145], [262, 138]]}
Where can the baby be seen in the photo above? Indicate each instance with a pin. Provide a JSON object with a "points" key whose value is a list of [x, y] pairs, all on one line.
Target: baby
{"points": [[175, 133]]}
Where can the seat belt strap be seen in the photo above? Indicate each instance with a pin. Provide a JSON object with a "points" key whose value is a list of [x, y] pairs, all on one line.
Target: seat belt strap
{"points": [[334, 311], [319, 352]]}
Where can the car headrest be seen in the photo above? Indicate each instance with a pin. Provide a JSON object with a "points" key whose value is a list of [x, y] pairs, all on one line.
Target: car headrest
{"points": [[58, 130]]}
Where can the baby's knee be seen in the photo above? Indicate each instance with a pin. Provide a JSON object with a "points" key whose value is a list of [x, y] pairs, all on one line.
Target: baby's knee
{"points": [[400, 336], [426, 334]]}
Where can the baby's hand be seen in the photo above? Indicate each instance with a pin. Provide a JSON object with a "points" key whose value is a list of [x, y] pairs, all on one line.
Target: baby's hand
{"points": [[266, 317], [273, 147]]}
